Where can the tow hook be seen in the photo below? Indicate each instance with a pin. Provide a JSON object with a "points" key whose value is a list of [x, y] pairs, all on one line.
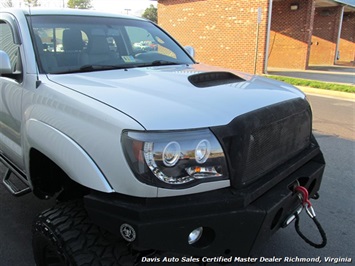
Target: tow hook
{"points": [[292, 217], [303, 195]]}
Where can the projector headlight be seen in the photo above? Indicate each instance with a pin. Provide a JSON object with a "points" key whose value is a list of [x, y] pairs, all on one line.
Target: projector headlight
{"points": [[175, 159]]}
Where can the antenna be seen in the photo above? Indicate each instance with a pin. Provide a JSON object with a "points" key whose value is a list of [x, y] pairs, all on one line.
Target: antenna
{"points": [[35, 46]]}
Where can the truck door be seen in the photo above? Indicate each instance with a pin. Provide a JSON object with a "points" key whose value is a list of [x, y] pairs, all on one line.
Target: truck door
{"points": [[11, 89]]}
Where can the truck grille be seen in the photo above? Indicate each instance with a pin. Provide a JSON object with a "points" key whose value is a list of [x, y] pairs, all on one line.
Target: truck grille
{"points": [[258, 142]]}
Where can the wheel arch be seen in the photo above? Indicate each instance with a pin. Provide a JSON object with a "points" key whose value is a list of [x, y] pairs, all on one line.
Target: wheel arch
{"points": [[47, 178], [53, 157]]}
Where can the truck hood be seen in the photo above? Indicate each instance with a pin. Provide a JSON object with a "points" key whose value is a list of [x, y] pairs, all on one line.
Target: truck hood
{"points": [[163, 98]]}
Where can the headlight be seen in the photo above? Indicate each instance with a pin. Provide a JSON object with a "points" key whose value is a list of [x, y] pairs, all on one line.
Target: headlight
{"points": [[175, 159]]}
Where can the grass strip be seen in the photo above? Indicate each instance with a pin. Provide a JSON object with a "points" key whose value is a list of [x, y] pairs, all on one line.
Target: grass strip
{"points": [[315, 84]]}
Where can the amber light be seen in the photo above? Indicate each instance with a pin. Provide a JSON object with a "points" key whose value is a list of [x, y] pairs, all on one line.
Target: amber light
{"points": [[138, 150]]}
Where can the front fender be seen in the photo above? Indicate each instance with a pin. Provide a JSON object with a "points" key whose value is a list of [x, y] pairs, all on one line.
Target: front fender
{"points": [[66, 153]]}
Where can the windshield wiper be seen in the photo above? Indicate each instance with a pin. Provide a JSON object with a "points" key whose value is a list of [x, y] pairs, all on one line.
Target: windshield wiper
{"points": [[164, 62], [90, 68], [160, 63]]}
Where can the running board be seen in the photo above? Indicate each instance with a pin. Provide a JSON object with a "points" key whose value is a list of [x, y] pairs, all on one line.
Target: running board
{"points": [[14, 180], [15, 184]]}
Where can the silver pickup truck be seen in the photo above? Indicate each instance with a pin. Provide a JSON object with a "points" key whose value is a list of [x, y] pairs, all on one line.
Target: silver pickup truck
{"points": [[143, 148]]}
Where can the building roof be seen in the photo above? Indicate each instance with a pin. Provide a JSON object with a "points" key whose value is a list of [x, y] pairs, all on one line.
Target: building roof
{"points": [[346, 2], [349, 4]]}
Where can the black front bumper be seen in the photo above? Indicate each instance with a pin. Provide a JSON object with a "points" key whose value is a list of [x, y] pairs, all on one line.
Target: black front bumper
{"points": [[234, 221]]}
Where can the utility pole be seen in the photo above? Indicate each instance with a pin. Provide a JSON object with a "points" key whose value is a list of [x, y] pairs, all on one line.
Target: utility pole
{"points": [[257, 37]]}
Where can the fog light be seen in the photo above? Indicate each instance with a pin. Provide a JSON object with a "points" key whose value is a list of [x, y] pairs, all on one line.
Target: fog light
{"points": [[195, 235]]}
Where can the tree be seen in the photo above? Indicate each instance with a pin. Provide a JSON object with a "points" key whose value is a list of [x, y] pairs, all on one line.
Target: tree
{"points": [[32, 3], [79, 4], [151, 13]]}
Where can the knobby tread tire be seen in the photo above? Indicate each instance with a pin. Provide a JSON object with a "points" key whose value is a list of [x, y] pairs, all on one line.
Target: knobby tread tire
{"points": [[67, 229]]}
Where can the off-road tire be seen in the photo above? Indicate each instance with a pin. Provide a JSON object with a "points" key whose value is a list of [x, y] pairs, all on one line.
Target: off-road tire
{"points": [[64, 235]]}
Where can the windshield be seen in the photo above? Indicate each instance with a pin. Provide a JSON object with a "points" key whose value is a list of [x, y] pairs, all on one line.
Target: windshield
{"points": [[68, 44]]}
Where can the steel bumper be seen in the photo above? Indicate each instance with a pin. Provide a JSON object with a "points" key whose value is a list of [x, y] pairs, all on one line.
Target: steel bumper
{"points": [[233, 221]]}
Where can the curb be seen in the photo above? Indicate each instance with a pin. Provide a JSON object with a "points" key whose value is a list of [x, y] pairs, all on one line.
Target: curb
{"points": [[328, 93]]}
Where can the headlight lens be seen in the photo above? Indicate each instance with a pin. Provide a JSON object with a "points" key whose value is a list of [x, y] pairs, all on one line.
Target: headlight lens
{"points": [[202, 151], [171, 153], [175, 159]]}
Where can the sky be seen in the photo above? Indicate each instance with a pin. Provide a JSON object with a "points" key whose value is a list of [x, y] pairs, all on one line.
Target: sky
{"points": [[131, 7]]}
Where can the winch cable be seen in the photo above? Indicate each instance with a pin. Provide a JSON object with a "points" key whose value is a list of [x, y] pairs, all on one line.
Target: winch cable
{"points": [[304, 196]]}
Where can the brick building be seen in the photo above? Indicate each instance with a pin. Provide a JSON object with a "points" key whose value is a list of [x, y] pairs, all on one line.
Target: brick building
{"points": [[347, 39], [252, 35]]}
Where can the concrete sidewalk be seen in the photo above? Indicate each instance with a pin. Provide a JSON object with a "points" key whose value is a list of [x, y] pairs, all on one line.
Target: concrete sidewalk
{"points": [[328, 93], [334, 74]]}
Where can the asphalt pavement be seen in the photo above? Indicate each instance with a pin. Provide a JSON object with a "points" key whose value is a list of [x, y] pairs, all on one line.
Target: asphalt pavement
{"points": [[334, 74]]}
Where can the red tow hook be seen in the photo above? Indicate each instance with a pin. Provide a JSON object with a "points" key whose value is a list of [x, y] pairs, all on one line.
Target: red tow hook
{"points": [[304, 197]]}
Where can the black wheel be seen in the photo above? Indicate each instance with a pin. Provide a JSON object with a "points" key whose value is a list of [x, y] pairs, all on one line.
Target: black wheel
{"points": [[64, 235]]}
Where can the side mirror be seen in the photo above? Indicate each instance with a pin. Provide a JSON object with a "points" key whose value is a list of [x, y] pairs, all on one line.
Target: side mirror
{"points": [[190, 50], [5, 64]]}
